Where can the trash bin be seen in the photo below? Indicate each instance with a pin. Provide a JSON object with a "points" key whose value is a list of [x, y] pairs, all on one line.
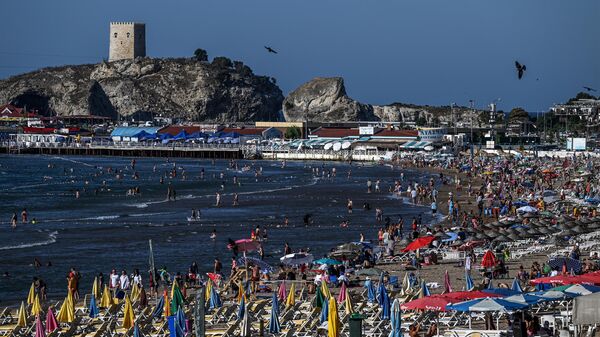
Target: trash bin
{"points": [[356, 325]]}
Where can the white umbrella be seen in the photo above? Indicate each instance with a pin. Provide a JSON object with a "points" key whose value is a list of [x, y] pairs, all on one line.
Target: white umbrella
{"points": [[296, 259], [527, 209]]}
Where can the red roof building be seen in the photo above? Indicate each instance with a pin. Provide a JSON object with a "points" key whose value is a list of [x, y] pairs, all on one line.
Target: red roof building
{"points": [[334, 133], [9, 111]]}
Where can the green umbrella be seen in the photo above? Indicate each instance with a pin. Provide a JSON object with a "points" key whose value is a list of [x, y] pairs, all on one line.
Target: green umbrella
{"points": [[177, 298], [319, 298]]}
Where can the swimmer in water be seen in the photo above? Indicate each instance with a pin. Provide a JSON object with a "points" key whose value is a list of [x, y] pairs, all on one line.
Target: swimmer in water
{"points": [[213, 235]]}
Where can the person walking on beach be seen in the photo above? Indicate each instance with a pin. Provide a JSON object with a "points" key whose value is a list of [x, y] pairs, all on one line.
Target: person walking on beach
{"points": [[137, 278], [124, 281], [114, 280]]}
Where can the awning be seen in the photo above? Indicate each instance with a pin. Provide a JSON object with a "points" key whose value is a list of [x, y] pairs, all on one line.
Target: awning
{"points": [[415, 145]]}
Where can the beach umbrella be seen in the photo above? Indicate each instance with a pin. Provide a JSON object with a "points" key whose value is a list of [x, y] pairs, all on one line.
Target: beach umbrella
{"points": [[348, 304], [525, 298], [274, 326], [488, 260], [128, 315], [215, 299], [396, 320], [93, 309], [254, 261], [135, 292], [106, 300], [333, 320], [469, 282], [245, 245], [296, 259], [419, 243], [39, 327], [325, 290], [424, 290], [241, 308], [158, 310], [516, 286], [143, 299], [501, 291], [282, 293], [136, 330], [324, 311], [447, 285], [327, 261], [458, 296], [486, 304], [370, 291], [581, 289], [561, 262], [51, 322], [275, 302], [199, 311], [434, 303], [208, 290], [67, 310], [552, 295], [246, 325], [291, 297], [96, 288], [22, 319], [176, 298], [319, 298], [384, 301], [527, 209], [36, 307], [167, 306], [342, 295], [180, 320], [490, 285], [31, 294]]}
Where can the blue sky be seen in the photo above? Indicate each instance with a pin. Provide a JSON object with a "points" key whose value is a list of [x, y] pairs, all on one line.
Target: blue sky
{"points": [[414, 51]]}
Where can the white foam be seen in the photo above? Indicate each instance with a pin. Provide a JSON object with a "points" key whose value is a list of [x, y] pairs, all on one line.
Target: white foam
{"points": [[51, 239]]}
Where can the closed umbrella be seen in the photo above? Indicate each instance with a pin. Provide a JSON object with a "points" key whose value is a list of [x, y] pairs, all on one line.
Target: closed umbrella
{"points": [[36, 307], [143, 299], [241, 308], [370, 291], [246, 324], [291, 297], [319, 298], [181, 321], [167, 306], [275, 303], [215, 299], [333, 320], [516, 286], [324, 311], [22, 320], [67, 310], [31, 294], [274, 326], [348, 304], [325, 290], [282, 293], [128, 315], [136, 330], [447, 285], [135, 292], [51, 323], [96, 288], [488, 260], [106, 300], [396, 320], [342, 295], [39, 327], [384, 301], [424, 290], [158, 310], [93, 310], [199, 311], [176, 298]]}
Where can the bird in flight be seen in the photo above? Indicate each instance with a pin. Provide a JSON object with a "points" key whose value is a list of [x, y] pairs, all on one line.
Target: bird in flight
{"points": [[589, 89], [270, 50], [520, 69]]}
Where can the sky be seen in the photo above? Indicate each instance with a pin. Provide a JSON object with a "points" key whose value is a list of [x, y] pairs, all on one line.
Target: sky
{"points": [[432, 52]]}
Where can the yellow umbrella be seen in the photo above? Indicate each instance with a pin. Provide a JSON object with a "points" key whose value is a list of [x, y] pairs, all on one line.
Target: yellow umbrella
{"points": [[22, 321], [96, 288], [31, 295], [167, 310], [106, 301], [128, 315], [333, 321], [208, 290], [67, 310], [348, 304], [36, 307], [325, 290], [291, 297], [135, 292]]}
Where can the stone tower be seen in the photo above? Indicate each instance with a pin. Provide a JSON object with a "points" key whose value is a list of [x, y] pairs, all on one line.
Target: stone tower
{"points": [[127, 40]]}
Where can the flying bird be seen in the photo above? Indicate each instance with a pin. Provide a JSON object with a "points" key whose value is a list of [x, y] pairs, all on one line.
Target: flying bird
{"points": [[270, 50], [589, 89], [520, 69]]}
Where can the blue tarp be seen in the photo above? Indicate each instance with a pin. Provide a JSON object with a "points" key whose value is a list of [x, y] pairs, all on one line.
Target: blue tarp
{"points": [[133, 131]]}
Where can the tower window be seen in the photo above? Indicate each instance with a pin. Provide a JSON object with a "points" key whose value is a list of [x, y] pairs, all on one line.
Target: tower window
{"points": [[115, 35], [127, 35]]}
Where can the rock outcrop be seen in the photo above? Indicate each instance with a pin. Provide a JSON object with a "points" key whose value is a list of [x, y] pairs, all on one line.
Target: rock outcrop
{"points": [[185, 88]]}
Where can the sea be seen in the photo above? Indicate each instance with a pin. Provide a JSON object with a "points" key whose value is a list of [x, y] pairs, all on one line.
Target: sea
{"points": [[105, 229]]}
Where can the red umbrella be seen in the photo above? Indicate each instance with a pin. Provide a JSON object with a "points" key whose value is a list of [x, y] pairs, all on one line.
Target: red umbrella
{"points": [[468, 295], [590, 278], [245, 245], [471, 244], [419, 243], [435, 303], [489, 259]]}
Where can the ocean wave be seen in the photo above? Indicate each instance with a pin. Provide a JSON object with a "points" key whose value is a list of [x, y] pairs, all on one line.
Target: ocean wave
{"points": [[51, 239], [73, 161]]}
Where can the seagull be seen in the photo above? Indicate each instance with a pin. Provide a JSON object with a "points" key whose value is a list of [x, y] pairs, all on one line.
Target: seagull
{"points": [[270, 50], [520, 69], [589, 89]]}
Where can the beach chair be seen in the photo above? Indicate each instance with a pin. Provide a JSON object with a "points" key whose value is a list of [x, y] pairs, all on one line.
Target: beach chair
{"points": [[6, 316]]}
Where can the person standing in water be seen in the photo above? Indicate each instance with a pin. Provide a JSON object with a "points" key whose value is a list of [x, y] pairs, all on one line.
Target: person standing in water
{"points": [[13, 220], [24, 216], [235, 199], [349, 205], [218, 203]]}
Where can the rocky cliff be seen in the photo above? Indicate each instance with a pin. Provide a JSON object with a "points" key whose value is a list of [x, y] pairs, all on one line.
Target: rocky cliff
{"points": [[219, 91], [325, 100]]}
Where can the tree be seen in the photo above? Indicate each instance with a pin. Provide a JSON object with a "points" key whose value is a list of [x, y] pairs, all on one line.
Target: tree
{"points": [[201, 55], [292, 133], [581, 95], [421, 121], [222, 62], [518, 113]]}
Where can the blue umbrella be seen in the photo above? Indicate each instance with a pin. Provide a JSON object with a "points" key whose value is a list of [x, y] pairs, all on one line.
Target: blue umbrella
{"points": [[93, 307], [324, 311], [327, 261], [241, 308], [180, 317], [274, 326], [516, 286], [486, 304], [158, 310], [525, 298], [424, 290], [370, 291], [215, 299], [264, 267], [490, 285], [384, 301], [469, 280], [136, 330], [501, 291], [396, 320], [559, 262]]}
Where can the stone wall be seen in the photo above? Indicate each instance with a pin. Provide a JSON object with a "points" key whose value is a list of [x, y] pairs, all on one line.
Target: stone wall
{"points": [[127, 40]]}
